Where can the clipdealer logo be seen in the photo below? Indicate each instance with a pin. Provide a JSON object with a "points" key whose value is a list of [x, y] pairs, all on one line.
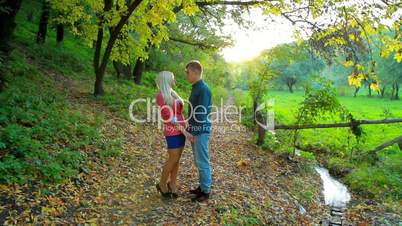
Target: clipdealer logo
{"points": [[222, 113]]}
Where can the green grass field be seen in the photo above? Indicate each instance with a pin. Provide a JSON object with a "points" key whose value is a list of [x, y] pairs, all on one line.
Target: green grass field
{"points": [[380, 178], [362, 107]]}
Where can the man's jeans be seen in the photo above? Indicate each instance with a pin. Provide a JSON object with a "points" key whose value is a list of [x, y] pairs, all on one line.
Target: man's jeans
{"points": [[201, 159]]}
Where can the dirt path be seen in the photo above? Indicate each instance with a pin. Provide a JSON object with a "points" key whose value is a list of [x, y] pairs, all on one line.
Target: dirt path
{"points": [[250, 186], [245, 181]]}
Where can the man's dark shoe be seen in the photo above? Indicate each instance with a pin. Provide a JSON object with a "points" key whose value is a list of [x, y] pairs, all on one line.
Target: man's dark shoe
{"points": [[195, 191], [200, 197]]}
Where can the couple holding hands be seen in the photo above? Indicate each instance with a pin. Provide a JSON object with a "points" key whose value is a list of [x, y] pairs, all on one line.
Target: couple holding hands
{"points": [[176, 130]]}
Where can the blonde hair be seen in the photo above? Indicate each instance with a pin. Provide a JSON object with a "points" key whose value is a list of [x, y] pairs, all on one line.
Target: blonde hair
{"points": [[164, 82]]}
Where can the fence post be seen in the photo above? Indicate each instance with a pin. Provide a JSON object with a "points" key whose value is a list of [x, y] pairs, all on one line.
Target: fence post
{"points": [[261, 130]]}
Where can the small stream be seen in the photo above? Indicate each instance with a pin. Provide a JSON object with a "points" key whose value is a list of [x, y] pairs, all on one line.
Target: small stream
{"points": [[335, 193]]}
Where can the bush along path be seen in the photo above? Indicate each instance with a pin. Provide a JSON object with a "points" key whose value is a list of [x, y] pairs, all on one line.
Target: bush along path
{"points": [[251, 186]]}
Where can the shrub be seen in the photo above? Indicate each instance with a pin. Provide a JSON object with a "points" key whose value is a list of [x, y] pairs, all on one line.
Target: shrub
{"points": [[41, 135], [381, 180], [219, 94]]}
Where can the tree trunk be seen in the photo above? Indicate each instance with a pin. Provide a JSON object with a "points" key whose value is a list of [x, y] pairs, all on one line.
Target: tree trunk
{"points": [[138, 69], [356, 91], [290, 81], [116, 68], [7, 26], [382, 91], [98, 89], [98, 46], [369, 89], [290, 86], [101, 68], [7, 23], [99, 72], [60, 34], [44, 19], [120, 68], [396, 97], [255, 105]]}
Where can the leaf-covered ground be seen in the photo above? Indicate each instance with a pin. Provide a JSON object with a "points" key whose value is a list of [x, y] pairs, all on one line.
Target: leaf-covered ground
{"points": [[250, 187]]}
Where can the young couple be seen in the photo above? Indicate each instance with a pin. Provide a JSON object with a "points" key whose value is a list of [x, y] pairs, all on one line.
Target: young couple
{"points": [[176, 129]]}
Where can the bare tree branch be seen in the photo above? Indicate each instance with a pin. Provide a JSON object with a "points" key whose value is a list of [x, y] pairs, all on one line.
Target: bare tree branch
{"points": [[193, 43], [239, 3]]}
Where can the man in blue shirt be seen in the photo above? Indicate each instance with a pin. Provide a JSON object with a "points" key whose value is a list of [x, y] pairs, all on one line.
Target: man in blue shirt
{"points": [[200, 127]]}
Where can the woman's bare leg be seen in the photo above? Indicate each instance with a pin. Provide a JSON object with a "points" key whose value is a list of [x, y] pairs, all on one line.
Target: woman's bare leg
{"points": [[174, 156], [174, 172]]}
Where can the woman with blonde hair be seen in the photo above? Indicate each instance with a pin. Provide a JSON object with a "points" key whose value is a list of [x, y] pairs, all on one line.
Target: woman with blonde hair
{"points": [[171, 108]]}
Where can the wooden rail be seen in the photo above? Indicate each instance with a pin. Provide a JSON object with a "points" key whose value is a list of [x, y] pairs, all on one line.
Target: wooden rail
{"points": [[341, 124]]}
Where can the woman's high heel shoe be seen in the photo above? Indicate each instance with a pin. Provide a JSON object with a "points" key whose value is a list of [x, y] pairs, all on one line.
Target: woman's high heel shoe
{"points": [[174, 195], [164, 194]]}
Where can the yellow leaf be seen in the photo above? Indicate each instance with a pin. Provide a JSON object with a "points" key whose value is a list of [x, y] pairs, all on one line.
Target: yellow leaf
{"points": [[353, 23], [398, 57], [355, 80], [243, 162], [374, 86], [348, 63]]}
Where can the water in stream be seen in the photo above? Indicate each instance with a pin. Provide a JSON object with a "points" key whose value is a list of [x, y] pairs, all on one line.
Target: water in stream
{"points": [[335, 193]]}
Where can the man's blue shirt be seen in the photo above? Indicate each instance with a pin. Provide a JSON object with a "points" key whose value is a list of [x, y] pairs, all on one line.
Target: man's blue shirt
{"points": [[200, 108]]}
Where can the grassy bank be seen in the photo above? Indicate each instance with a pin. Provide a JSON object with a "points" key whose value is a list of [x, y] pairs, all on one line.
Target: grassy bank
{"points": [[42, 136], [340, 150]]}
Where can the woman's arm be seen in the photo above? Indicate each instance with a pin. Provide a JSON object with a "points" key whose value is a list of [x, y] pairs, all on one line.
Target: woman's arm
{"points": [[182, 128]]}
